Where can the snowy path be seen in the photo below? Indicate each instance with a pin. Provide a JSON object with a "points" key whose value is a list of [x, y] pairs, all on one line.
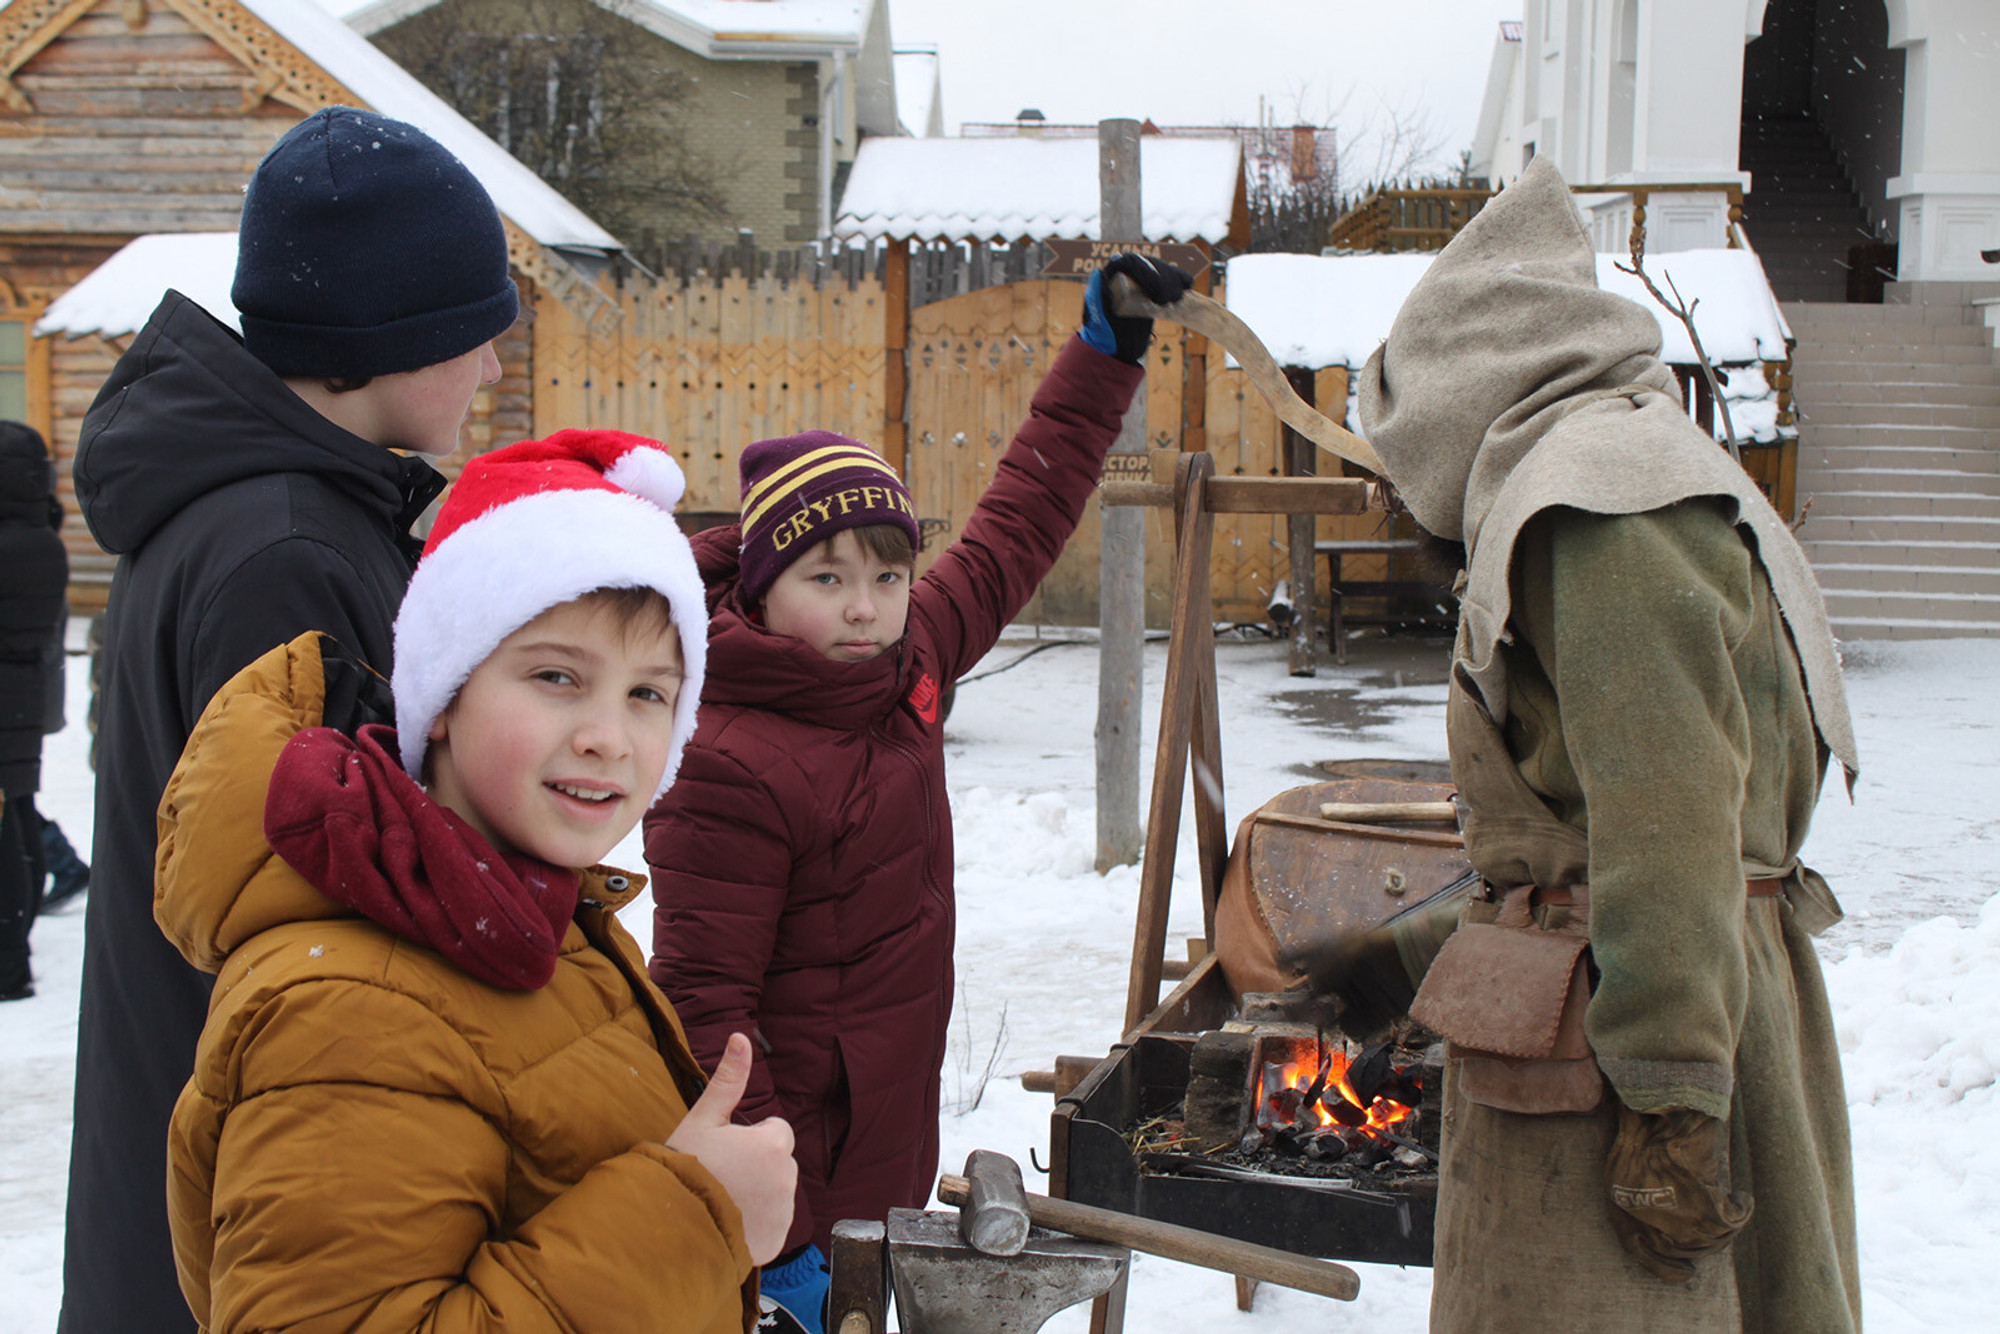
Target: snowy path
{"points": [[1044, 942]]}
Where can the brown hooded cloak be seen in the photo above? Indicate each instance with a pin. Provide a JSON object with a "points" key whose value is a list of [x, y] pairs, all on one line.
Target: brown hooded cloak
{"points": [[1644, 697]]}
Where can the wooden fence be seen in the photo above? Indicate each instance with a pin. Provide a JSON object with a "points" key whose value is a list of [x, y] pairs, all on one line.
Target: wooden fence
{"points": [[711, 364], [1406, 219]]}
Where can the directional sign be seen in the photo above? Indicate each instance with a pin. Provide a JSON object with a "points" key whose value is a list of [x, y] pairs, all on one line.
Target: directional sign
{"points": [[1080, 259]]}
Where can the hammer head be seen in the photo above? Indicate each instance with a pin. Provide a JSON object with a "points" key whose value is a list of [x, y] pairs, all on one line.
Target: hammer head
{"points": [[994, 1217]]}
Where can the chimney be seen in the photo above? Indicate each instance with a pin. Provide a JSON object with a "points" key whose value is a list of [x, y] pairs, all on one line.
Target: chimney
{"points": [[1305, 152]]}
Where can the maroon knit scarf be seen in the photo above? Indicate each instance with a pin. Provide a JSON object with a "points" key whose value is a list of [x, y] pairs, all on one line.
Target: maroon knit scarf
{"points": [[343, 814]]}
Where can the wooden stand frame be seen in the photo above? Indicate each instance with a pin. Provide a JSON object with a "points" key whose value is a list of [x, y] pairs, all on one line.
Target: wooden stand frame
{"points": [[1191, 728], [1190, 722]]}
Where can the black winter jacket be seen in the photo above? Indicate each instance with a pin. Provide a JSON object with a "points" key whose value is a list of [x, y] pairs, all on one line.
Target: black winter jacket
{"points": [[241, 519], [34, 571]]}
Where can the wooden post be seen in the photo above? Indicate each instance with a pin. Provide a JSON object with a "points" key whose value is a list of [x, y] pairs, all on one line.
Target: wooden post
{"points": [[1194, 369], [1190, 656], [896, 356], [1300, 459], [1122, 556]]}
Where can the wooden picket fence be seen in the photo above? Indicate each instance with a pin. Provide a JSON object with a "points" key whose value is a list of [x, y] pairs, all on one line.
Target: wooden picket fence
{"points": [[712, 363]]}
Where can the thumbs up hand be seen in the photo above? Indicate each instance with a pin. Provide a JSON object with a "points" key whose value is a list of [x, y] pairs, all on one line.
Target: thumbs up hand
{"points": [[753, 1163]]}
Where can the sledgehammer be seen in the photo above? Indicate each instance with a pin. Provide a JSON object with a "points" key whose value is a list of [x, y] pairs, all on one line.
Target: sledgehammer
{"points": [[995, 1211]]}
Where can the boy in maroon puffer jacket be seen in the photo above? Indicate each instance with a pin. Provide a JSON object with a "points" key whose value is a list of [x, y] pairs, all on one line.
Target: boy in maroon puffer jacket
{"points": [[803, 862]]}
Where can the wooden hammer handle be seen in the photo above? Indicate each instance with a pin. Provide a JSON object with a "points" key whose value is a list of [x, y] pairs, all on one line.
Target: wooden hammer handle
{"points": [[1189, 1245]]}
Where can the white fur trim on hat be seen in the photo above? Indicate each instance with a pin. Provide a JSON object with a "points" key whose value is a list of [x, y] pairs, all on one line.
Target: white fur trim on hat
{"points": [[500, 571], [651, 473]]}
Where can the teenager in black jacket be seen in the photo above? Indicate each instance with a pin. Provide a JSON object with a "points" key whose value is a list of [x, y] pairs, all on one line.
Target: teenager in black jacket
{"points": [[250, 490]]}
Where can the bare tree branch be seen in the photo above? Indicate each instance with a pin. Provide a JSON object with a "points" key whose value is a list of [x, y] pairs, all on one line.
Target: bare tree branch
{"points": [[568, 89], [1684, 312]]}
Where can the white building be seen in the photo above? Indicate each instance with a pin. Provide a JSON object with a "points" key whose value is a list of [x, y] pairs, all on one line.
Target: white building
{"points": [[1903, 95]]}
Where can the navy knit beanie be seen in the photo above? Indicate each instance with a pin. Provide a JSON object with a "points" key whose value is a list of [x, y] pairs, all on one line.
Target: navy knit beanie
{"points": [[367, 249]]}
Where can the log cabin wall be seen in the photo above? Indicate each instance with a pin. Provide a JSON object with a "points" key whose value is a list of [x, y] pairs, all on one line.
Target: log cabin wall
{"points": [[145, 116], [136, 121]]}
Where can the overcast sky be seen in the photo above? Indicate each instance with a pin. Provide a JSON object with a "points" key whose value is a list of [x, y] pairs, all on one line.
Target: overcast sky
{"points": [[1364, 64], [1202, 62]]}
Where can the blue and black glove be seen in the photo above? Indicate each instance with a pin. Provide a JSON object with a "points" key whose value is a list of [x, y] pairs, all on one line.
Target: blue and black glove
{"points": [[794, 1287], [1121, 336]]}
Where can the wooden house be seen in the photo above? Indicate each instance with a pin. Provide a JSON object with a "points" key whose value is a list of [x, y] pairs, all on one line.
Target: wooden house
{"points": [[126, 118], [727, 115]]}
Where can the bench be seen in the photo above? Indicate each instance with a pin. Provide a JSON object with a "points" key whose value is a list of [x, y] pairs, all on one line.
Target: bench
{"points": [[1339, 589]]}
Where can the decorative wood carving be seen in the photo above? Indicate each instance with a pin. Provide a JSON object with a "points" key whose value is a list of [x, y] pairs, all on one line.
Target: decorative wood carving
{"points": [[300, 84], [550, 272], [26, 26], [267, 83]]}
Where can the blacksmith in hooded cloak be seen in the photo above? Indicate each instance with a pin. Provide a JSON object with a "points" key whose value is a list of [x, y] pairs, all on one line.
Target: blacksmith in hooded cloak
{"points": [[1644, 697]]}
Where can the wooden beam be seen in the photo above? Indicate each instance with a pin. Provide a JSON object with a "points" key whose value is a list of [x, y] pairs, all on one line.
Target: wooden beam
{"points": [[26, 26], [1180, 701], [896, 356], [1300, 460], [1121, 566], [303, 85], [1194, 368], [1255, 495]]}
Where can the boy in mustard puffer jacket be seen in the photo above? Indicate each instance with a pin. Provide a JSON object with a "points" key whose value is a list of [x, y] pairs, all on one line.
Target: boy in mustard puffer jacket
{"points": [[436, 1089]]}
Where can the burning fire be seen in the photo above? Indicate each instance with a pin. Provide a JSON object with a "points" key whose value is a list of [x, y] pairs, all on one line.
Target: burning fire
{"points": [[1308, 1097]]}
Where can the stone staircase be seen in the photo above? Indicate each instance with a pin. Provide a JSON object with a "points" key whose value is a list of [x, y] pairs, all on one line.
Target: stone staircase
{"points": [[1802, 213], [1899, 450]]}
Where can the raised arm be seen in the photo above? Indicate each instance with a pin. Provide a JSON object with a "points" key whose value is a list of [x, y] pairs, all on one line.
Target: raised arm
{"points": [[1045, 478]]}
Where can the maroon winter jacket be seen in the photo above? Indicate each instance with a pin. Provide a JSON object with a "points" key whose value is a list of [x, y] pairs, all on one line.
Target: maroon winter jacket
{"points": [[802, 862]]}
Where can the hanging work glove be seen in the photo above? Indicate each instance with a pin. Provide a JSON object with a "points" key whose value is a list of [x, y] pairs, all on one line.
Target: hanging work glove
{"points": [[1118, 335], [1669, 1178], [1372, 976]]}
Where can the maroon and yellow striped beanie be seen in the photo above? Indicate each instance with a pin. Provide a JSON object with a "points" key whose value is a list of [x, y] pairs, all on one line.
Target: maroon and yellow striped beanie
{"points": [[799, 490]]}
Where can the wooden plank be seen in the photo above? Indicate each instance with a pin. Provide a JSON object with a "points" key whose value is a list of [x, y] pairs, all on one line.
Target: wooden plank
{"points": [[1193, 615], [1287, 495], [135, 215], [1211, 820], [895, 360], [1253, 495], [1301, 460]]}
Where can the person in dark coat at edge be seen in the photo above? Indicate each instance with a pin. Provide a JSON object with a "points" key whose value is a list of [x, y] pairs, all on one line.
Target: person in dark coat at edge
{"points": [[34, 575], [1644, 1129], [803, 864], [252, 489]]}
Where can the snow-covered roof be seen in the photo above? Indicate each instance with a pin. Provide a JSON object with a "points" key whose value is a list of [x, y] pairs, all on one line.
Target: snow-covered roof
{"points": [[118, 296], [523, 197], [1333, 310], [715, 28], [956, 189], [919, 101]]}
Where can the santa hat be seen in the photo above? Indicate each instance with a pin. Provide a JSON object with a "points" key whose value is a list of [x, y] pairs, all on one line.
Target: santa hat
{"points": [[530, 527]]}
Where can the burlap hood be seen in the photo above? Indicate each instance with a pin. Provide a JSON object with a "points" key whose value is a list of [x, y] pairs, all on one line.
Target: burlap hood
{"points": [[1510, 383]]}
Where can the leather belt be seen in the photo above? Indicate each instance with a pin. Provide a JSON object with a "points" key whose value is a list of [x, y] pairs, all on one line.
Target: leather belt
{"points": [[1572, 895]]}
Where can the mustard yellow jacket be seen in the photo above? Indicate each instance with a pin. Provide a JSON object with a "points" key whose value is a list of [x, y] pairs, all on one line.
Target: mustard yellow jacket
{"points": [[373, 1140]]}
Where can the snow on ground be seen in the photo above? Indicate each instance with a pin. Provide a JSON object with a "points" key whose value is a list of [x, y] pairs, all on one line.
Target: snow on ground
{"points": [[1044, 944]]}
